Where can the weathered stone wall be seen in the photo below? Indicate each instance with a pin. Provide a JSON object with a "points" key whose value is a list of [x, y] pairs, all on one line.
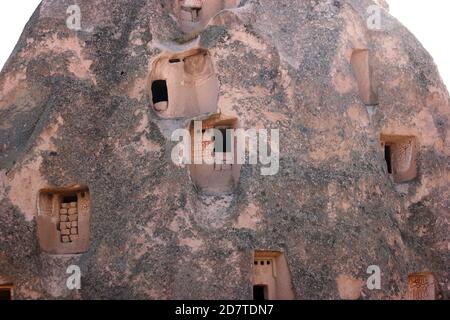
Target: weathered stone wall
{"points": [[75, 108]]}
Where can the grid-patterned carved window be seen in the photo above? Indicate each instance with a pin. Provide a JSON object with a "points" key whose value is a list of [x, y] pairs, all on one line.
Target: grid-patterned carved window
{"points": [[214, 169], [68, 218], [421, 286], [64, 220]]}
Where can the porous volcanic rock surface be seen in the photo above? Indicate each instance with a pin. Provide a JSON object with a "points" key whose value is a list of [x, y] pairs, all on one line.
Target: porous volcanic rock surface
{"points": [[75, 108]]}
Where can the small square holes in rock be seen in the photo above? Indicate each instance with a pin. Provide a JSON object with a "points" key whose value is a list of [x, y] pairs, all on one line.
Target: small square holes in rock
{"points": [[271, 277]]}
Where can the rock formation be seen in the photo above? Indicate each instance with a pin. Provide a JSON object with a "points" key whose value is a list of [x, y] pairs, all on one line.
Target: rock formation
{"points": [[88, 104]]}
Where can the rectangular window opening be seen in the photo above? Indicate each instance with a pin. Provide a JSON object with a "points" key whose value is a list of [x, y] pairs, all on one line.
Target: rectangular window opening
{"points": [[70, 198], [421, 286], [271, 276], [193, 12], [64, 219], [5, 293], [388, 157], [400, 155], [159, 91]]}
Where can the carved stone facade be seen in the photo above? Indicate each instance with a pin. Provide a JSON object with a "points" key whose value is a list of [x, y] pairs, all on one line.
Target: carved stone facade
{"points": [[421, 286], [221, 176], [64, 220], [186, 84], [363, 119], [400, 153], [271, 276]]}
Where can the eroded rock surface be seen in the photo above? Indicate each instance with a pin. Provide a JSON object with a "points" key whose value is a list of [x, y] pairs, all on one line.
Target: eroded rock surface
{"points": [[76, 108]]}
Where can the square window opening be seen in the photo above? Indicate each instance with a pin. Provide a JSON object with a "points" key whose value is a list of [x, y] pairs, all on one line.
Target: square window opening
{"points": [[159, 91], [5, 293]]}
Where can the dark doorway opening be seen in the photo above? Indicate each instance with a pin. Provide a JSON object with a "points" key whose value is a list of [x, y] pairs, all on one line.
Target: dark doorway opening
{"points": [[260, 293], [159, 91], [5, 294], [196, 14], [388, 157], [70, 198], [225, 146]]}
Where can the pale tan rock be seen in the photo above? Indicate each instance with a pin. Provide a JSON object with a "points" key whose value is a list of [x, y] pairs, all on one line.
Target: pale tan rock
{"points": [[349, 288]]}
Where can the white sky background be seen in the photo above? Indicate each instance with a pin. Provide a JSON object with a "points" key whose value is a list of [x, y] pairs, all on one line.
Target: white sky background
{"points": [[428, 19]]}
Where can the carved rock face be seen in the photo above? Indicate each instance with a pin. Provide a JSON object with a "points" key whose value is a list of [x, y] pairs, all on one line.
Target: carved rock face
{"points": [[196, 64], [194, 15], [81, 107], [421, 286], [190, 86]]}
